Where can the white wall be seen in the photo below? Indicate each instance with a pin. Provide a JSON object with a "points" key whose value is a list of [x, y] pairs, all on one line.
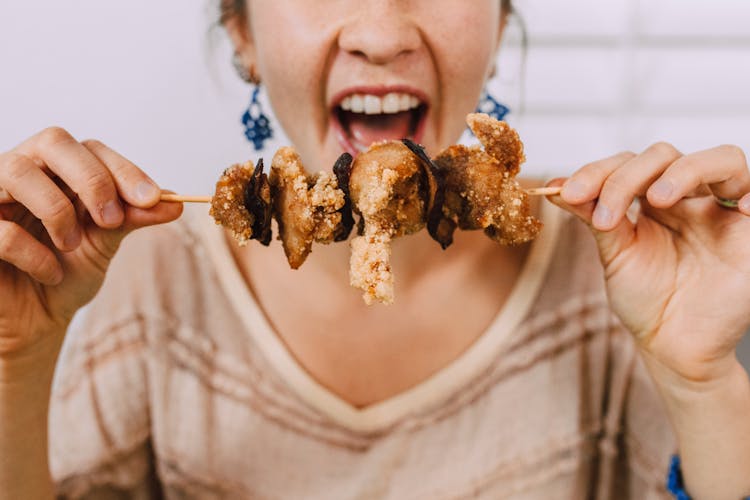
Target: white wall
{"points": [[603, 76]]}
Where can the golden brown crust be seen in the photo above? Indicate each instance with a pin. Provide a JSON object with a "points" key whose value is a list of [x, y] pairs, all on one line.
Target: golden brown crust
{"points": [[370, 268], [385, 190], [481, 189], [305, 207], [500, 141], [228, 202]]}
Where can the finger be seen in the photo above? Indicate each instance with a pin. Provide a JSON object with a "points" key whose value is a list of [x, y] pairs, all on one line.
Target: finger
{"points": [[723, 169], [19, 248], [80, 170], [584, 185], [32, 188], [132, 183], [161, 213], [611, 242], [630, 180]]}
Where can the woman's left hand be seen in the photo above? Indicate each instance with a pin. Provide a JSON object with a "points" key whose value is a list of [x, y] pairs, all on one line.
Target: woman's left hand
{"points": [[679, 276]]}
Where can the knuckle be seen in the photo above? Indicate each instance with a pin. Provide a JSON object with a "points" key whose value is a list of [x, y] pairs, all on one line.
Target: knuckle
{"points": [[99, 182], [52, 136], [735, 152], [663, 149], [626, 155], [43, 263], [589, 169], [93, 144], [15, 166], [60, 208], [126, 175], [617, 184]]}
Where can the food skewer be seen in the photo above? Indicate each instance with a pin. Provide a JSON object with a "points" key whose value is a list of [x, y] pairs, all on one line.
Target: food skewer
{"points": [[173, 197]]}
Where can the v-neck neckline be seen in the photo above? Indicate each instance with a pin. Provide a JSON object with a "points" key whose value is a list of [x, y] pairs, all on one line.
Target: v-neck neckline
{"points": [[440, 385]]}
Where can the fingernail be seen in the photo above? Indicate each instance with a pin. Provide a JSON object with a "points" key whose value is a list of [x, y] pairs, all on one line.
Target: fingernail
{"points": [[112, 213], [73, 239], [602, 216], [662, 189], [574, 190], [146, 191], [744, 204]]}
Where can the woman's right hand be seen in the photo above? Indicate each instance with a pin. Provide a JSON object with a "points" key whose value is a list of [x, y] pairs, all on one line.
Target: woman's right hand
{"points": [[74, 203]]}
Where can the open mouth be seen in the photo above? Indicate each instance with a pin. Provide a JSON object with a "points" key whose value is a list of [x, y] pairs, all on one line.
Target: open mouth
{"points": [[362, 118]]}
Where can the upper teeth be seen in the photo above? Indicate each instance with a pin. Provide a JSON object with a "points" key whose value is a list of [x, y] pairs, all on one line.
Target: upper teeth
{"points": [[373, 105]]}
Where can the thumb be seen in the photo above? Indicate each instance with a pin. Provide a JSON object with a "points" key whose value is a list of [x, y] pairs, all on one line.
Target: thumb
{"points": [[611, 242]]}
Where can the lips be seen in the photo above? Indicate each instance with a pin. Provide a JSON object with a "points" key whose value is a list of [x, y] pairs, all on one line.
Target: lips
{"points": [[362, 116]]}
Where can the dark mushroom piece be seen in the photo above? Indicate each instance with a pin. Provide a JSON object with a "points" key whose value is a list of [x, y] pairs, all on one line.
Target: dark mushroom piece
{"points": [[440, 227], [342, 169]]}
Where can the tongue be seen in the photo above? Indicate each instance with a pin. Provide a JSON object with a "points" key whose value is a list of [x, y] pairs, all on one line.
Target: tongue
{"points": [[366, 129]]}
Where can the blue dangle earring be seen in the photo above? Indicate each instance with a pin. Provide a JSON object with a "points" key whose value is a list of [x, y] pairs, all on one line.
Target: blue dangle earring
{"points": [[490, 106], [256, 123]]}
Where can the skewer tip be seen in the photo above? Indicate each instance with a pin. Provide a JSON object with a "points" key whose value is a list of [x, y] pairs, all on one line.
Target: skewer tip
{"points": [[172, 197], [544, 191]]}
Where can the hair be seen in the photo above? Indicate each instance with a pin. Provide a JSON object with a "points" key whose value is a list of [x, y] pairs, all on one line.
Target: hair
{"points": [[229, 9]]}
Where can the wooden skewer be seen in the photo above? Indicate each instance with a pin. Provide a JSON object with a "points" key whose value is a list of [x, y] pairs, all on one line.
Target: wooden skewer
{"points": [[544, 191], [185, 199], [541, 191]]}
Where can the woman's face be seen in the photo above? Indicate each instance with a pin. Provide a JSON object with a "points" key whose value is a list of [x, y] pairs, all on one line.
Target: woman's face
{"points": [[342, 74]]}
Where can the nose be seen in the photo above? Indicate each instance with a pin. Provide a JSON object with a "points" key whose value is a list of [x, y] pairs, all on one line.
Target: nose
{"points": [[381, 31]]}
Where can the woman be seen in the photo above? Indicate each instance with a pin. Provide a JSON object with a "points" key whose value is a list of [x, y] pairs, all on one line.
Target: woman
{"points": [[207, 370]]}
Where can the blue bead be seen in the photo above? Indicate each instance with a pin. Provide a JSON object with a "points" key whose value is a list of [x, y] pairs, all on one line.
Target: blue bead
{"points": [[257, 125], [490, 106]]}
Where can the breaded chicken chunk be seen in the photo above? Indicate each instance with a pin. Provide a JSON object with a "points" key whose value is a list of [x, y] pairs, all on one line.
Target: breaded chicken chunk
{"points": [[481, 191], [306, 207], [386, 191]]}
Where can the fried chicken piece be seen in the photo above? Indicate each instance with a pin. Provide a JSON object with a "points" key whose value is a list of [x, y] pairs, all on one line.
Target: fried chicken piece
{"points": [[481, 191], [242, 203], [386, 189], [306, 207]]}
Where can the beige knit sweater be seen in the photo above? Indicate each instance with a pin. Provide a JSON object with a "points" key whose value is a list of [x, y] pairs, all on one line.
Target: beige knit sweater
{"points": [[179, 388]]}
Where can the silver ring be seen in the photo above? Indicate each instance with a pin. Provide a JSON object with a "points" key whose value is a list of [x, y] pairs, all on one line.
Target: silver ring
{"points": [[727, 202]]}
